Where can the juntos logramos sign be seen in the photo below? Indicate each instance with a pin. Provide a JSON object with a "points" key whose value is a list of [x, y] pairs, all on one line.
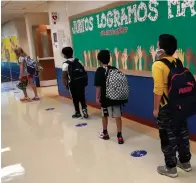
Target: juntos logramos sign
{"points": [[130, 32]]}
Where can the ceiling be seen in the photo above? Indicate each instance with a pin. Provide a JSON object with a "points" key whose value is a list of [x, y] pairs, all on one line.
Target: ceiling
{"points": [[16, 9]]}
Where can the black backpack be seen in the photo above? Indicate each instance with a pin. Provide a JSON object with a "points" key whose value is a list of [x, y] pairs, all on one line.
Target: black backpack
{"points": [[181, 90], [76, 74]]}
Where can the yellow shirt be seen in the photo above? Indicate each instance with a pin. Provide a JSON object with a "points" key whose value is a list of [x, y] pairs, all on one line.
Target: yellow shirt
{"points": [[160, 74]]}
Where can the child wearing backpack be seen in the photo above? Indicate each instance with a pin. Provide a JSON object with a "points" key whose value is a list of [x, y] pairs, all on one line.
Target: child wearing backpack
{"points": [[109, 107], [174, 102], [25, 77], [75, 79]]}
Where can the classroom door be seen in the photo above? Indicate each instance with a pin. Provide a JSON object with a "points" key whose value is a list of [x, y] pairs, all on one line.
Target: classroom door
{"points": [[44, 54]]}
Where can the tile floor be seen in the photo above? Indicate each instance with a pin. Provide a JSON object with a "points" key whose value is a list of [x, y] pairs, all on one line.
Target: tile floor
{"points": [[40, 146]]}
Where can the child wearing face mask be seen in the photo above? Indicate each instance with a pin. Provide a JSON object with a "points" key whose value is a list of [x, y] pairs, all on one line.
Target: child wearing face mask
{"points": [[174, 135]]}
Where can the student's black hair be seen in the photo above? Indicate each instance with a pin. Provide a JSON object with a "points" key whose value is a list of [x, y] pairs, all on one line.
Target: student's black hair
{"points": [[168, 43], [67, 52], [104, 56]]}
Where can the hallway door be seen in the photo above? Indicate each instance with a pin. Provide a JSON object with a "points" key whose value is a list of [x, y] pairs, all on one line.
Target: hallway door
{"points": [[44, 53]]}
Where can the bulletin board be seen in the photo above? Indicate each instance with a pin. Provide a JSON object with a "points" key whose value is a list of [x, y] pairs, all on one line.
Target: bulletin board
{"points": [[130, 31]]}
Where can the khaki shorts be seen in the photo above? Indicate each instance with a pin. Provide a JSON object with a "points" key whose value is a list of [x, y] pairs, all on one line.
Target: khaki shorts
{"points": [[113, 111]]}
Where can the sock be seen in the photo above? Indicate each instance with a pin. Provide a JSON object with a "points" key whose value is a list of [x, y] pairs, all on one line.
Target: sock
{"points": [[105, 132], [119, 134]]}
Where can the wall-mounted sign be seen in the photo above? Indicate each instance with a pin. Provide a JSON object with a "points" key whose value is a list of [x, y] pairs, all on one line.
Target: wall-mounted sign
{"points": [[55, 17], [55, 37]]}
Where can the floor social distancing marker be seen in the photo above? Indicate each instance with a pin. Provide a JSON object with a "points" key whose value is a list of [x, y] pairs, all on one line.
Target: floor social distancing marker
{"points": [[139, 153], [50, 109], [81, 125]]}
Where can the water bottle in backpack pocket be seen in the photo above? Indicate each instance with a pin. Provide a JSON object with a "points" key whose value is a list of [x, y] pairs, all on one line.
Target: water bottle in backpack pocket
{"points": [[181, 90]]}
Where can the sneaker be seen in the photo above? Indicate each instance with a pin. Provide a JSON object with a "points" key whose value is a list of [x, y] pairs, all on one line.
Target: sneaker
{"points": [[104, 136], [120, 140], [184, 166], [25, 99], [36, 99], [77, 115], [85, 113], [170, 172]]}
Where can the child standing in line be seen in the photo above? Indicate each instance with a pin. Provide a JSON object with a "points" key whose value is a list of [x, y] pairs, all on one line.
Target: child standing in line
{"points": [[75, 79], [108, 107]]}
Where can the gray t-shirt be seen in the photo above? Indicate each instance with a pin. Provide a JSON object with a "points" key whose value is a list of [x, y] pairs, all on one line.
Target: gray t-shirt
{"points": [[22, 60]]}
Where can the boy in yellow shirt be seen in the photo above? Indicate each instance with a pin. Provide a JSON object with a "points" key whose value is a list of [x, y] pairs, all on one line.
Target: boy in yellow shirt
{"points": [[173, 134]]}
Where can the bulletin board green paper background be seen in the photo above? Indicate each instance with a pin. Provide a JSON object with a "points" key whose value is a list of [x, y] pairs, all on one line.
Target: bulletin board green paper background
{"points": [[144, 34]]}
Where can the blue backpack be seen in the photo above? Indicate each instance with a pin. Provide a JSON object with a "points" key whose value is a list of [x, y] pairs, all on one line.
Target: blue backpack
{"points": [[181, 90]]}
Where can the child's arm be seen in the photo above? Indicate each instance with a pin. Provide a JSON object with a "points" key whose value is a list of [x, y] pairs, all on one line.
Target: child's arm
{"points": [[98, 94], [64, 78], [21, 70]]}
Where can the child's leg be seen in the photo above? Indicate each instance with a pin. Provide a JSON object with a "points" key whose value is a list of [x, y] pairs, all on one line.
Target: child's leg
{"points": [[115, 112], [119, 130], [23, 87], [104, 134], [33, 86], [26, 98], [119, 126], [25, 93], [105, 114], [105, 123]]}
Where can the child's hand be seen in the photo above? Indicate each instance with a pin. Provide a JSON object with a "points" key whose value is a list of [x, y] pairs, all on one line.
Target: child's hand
{"points": [[41, 68]]}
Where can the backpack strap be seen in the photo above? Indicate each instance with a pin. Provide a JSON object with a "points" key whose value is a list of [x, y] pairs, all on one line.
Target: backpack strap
{"points": [[167, 63], [108, 68], [171, 65], [67, 62], [179, 63]]}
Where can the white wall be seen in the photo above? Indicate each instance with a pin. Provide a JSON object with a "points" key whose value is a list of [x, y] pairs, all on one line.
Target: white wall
{"points": [[64, 10], [62, 26], [22, 28], [22, 34], [16, 28], [30, 20], [76, 7], [8, 29]]}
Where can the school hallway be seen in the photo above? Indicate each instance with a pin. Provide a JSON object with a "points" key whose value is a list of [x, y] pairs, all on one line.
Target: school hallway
{"points": [[45, 146]]}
